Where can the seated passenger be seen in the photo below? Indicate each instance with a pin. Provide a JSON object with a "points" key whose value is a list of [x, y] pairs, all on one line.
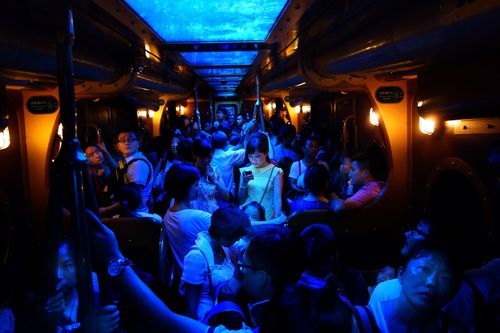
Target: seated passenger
{"points": [[340, 182], [472, 306], [181, 222], [137, 168], [207, 265], [385, 274], [212, 190], [101, 168], [366, 187], [254, 211], [429, 280], [323, 267], [257, 215], [316, 181], [129, 198], [424, 230], [62, 308]]}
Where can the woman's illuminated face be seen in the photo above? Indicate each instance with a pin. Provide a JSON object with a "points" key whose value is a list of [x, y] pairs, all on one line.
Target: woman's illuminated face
{"points": [[258, 159]]}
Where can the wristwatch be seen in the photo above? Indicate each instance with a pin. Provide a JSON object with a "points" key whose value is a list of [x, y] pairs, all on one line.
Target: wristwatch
{"points": [[116, 266]]}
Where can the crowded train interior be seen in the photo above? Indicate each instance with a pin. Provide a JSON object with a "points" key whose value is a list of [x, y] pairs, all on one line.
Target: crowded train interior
{"points": [[295, 166]]}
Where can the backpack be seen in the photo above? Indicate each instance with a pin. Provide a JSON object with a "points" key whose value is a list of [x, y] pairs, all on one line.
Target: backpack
{"points": [[122, 169], [365, 319]]}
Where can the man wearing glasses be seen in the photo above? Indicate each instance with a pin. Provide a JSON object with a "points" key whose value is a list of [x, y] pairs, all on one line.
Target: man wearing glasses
{"points": [[137, 169]]}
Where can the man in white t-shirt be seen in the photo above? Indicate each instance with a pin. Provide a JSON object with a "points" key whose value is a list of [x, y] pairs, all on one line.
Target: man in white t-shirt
{"points": [[226, 160]]}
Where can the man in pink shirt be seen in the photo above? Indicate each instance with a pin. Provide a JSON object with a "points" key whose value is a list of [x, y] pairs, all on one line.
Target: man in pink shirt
{"points": [[363, 180]]}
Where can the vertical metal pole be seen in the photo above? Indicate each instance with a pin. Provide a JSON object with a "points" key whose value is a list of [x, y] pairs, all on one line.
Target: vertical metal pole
{"points": [[212, 115], [71, 163], [258, 105], [196, 110]]}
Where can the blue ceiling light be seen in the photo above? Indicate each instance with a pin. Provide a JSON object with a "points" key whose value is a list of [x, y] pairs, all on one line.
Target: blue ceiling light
{"points": [[210, 21], [244, 58], [223, 78], [222, 71], [227, 83], [225, 94]]}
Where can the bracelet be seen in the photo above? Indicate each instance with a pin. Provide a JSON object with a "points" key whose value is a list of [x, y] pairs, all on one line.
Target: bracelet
{"points": [[243, 186]]}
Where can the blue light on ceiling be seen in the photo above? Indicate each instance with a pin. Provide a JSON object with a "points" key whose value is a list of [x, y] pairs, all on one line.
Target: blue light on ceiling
{"points": [[244, 58], [225, 94], [227, 83], [187, 21], [222, 71], [223, 78]]}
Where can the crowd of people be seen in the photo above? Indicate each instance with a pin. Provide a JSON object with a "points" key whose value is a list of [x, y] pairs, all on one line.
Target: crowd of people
{"points": [[223, 198]]}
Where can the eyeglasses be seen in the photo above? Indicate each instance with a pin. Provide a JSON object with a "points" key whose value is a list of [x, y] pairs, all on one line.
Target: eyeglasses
{"points": [[241, 267], [125, 140]]}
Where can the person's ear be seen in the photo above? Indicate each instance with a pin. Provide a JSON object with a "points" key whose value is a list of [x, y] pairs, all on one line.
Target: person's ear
{"points": [[263, 279]]}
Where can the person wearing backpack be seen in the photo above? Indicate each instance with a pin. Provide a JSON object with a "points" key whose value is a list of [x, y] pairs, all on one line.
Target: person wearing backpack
{"points": [[136, 169]]}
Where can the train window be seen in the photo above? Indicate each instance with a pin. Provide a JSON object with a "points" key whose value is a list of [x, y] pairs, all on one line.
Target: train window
{"points": [[358, 133]]}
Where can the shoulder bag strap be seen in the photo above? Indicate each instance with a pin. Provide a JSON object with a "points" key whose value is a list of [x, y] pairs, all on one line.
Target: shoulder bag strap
{"points": [[209, 273], [267, 185], [145, 161], [365, 319]]}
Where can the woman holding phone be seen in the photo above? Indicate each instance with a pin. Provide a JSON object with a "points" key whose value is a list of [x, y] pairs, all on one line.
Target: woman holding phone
{"points": [[261, 181]]}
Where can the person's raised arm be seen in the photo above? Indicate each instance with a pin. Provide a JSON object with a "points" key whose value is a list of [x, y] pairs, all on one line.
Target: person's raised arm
{"points": [[245, 177], [217, 180], [113, 165], [105, 247]]}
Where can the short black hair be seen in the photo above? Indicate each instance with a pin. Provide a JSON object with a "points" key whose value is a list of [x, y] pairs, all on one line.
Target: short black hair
{"points": [[258, 206], [229, 222], [316, 179], [258, 142], [130, 195], [278, 251], [179, 179], [202, 148], [219, 140], [320, 243]]}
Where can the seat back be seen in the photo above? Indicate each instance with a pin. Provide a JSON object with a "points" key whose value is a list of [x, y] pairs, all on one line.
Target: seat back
{"points": [[138, 240], [169, 274], [300, 220]]}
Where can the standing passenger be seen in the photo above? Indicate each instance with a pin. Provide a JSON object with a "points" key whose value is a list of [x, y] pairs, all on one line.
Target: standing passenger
{"points": [[207, 265], [181, 222], [261, 181]]}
